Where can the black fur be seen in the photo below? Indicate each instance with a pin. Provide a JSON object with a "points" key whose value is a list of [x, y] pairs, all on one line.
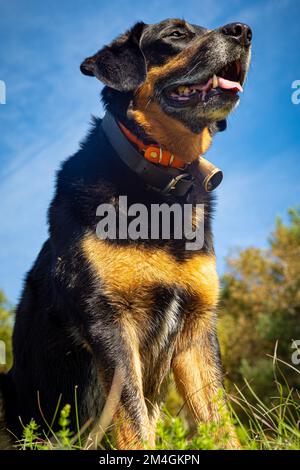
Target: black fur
{"points": [[120, 65], [53, 319], [65, 329]]}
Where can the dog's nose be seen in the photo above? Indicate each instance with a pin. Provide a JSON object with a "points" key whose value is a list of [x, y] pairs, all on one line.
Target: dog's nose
{"points": [[241, 32]]}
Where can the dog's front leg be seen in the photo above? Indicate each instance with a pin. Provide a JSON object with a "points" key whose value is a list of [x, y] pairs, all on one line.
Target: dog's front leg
{"points": [[132, 424], [122, 380], [198, 376]]}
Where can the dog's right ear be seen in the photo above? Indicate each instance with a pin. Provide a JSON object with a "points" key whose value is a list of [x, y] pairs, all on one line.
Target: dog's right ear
{"points": [[120, 65]]}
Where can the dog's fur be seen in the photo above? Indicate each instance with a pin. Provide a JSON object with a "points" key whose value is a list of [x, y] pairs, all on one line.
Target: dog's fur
{"points": [[90, 306]]}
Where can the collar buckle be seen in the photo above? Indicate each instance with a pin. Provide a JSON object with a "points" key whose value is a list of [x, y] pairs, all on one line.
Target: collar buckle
{"points": [[171, 186]]}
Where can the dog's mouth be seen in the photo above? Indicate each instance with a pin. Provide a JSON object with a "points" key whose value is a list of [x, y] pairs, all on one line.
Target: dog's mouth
{"points": [[226, 81]]}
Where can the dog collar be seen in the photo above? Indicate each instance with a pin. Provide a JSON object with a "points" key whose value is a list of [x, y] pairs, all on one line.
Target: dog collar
{"points": [[154, 153], [164, 180], [166, 177]]}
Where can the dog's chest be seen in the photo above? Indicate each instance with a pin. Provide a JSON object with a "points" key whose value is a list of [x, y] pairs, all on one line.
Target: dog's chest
{"points": [[151, 294], [132, 274]]}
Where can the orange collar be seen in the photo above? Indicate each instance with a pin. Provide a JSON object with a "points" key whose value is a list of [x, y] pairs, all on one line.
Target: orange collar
{"points": [[154, 153]]}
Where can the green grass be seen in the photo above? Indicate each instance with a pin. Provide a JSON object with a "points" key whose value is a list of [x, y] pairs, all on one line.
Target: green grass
{"points": [[258, 426]]}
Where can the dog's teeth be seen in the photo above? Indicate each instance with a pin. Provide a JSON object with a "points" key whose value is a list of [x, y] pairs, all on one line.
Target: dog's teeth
{"points": [[183, 90], [214, 81], [180, 90]]}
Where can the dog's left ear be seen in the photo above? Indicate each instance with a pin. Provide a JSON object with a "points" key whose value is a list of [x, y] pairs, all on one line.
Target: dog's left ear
{"points": [[120, 65], [218, 126]]}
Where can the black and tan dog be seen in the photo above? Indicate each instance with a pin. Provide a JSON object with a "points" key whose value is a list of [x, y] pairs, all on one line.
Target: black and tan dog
{"points": [[143, 307]]}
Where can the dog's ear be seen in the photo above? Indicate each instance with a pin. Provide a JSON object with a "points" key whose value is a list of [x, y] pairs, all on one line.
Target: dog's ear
{"points": [[120, 65]]}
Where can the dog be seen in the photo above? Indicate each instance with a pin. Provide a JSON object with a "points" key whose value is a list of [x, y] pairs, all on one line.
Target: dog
{"points": [[95, 312]]}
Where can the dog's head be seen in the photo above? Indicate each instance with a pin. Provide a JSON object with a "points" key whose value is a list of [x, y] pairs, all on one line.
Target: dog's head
{"points": [[174, 80]]}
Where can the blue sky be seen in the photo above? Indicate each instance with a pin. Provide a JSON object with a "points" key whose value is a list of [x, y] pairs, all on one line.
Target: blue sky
{"points": [[49, 104]]}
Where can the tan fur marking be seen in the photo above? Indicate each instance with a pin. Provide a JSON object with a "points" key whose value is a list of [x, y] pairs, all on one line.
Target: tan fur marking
{"points": [[129, 335], [125, 270], [205, 140], [125, 430], [195, 376], [198, 377], [125, 434], [127, 274], [154, 417], [169, 132]]}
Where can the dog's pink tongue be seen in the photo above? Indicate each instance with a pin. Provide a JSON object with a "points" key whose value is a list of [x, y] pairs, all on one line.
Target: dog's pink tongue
{"points": [[229, 85]]}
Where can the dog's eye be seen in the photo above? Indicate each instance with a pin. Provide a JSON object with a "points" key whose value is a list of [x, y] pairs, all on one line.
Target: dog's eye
{"points": [[177, 34]]}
